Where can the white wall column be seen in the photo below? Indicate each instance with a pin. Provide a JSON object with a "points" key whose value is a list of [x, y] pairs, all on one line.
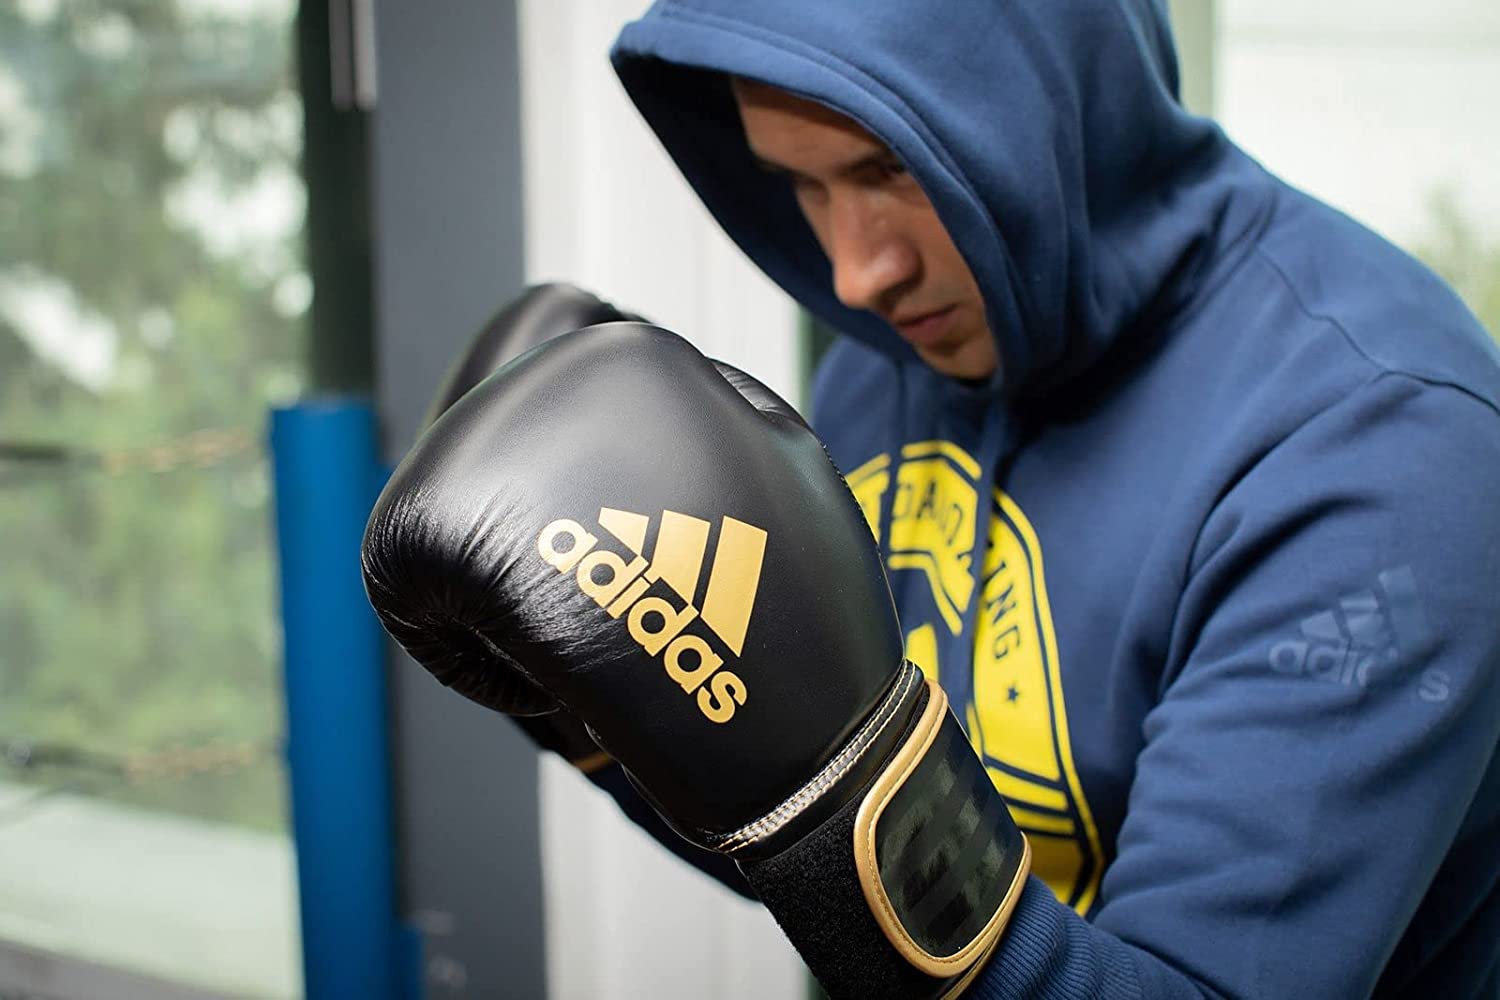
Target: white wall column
{"points": [[606, 209]]}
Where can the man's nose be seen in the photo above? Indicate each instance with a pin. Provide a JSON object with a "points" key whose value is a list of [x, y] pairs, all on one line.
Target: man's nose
{"points": [[870, 257]]}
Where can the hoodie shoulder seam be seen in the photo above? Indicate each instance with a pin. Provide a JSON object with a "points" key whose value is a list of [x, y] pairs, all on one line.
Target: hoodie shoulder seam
{"points": [[1381, 367]]}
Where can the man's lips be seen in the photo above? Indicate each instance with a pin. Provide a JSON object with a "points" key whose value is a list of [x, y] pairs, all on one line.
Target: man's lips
{"points": [[925, 329]]}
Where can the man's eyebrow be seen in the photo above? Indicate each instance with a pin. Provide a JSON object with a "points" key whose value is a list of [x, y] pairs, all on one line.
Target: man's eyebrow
{"points": [[878, 158]]}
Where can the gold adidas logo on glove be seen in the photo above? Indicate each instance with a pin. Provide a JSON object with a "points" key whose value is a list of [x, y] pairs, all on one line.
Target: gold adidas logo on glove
{"points": [[619, 587]]}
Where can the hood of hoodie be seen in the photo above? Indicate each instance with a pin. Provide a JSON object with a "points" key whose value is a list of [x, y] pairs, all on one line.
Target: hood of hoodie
{"points": [[1049, 138]]}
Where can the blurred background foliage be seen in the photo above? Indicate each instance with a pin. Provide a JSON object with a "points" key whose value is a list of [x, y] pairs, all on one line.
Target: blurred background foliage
{"points": [[1467, 254], [151, 287]]}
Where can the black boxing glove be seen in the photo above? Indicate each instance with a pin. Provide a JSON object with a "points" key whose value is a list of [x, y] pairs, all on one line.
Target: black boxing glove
{"points": [[534, 317], [614, 525], [540, 313]]}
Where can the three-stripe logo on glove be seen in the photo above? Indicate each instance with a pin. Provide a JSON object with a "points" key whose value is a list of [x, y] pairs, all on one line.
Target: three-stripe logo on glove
{"points": [[677, 560]]}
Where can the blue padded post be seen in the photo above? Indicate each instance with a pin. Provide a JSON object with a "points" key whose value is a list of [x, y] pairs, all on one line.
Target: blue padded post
{"points": [[327, 474]]}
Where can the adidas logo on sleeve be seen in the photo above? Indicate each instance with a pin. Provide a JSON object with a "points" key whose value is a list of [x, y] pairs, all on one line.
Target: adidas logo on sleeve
{"points": [[677, 560], [1362, 638]]}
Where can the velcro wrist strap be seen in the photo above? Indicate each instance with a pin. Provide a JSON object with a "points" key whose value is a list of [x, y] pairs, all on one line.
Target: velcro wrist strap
{"points": [[903, 892], [940, 862]]}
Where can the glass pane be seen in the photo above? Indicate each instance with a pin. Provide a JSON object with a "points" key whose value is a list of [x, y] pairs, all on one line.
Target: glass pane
{"points": [[1388, 110], [152, 306]]}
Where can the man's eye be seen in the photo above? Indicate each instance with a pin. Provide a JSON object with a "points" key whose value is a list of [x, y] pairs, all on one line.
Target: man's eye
{"points": [[883, 172], [804, 185], [807, 191]]}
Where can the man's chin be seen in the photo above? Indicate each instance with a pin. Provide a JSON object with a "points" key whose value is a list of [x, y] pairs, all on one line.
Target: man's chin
{"points": [[962, 361]]}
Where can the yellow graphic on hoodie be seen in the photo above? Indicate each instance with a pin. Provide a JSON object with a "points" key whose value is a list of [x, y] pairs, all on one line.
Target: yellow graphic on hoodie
{"points": [[1015, 716], [932, 523]]}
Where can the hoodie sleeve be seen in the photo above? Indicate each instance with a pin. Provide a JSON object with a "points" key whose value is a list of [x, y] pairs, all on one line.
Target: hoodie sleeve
{"points": [[1330, 708]]}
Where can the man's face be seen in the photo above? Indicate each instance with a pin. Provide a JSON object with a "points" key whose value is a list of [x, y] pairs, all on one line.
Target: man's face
{"points": [[889, 252]]}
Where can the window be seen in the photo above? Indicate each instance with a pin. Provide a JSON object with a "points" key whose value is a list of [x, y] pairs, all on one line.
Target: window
{"points": [[1386, 110], [152, 302]]}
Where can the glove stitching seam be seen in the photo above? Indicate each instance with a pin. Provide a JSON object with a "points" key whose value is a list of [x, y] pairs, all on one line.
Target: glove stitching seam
{"points": [[852, 753]]}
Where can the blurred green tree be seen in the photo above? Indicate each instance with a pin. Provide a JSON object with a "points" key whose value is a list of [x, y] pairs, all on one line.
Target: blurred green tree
{"points": [[1469, 258], [151, 286]]}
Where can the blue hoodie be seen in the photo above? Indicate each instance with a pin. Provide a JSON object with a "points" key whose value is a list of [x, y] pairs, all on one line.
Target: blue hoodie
{"points": [[1208, 566]]}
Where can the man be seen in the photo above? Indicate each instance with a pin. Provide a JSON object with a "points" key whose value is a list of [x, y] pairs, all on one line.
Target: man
{"points": [[1183, 481]]}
